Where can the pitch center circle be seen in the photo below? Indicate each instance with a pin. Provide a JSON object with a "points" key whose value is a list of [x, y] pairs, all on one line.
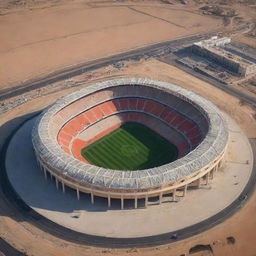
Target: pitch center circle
{"points": [[128, 150]]}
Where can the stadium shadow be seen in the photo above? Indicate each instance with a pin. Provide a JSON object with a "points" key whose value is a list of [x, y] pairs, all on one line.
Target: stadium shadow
{"points": [[45, 195], [9, 200]]}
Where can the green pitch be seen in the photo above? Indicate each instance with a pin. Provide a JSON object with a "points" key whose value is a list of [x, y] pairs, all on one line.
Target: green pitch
{"points": [[131, 147]]}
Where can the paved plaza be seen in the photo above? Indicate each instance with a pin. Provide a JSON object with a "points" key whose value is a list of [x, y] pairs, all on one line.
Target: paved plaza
{"points": [[80, 215]]}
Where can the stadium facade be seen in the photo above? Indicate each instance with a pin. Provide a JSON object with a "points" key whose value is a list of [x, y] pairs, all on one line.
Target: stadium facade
{"points": [[193, 124]]}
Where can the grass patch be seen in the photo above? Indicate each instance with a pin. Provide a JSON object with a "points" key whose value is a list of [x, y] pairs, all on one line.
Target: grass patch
{"points": [[132, 146]]}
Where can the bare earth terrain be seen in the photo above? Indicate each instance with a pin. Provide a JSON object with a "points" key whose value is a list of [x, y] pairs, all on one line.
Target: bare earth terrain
{"points": [[43, 40], [38, 37]]}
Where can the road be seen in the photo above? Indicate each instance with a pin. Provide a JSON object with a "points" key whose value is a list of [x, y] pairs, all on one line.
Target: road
{"points": [[153, 50], [8, 250], [150, 50]]}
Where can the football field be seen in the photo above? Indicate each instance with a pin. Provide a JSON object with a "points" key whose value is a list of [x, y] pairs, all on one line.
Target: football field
{"points": [[132, 146]]}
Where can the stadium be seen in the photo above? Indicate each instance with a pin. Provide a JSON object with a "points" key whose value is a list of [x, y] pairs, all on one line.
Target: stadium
{"points": [[130, 138]]}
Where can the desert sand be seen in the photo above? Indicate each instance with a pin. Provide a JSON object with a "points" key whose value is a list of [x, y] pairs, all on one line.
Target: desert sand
{"points": [[38, 41]]}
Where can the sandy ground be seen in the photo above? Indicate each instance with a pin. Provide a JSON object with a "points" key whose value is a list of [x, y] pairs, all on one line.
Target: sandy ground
{"points": [[36, 41], [242, 225], [246, 40]]}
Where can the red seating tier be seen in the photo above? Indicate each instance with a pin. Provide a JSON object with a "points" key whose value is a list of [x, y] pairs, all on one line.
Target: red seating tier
{"points": [[123, 104], [149, 106], [97, 113], [79, 144], [68, 133], [171, 116], [76, 149], [133, 104], [193, 132], [158, 109], [90, 116], [177, 120], [165, 113], [106, 108], [76, 124], [112, 106], [140, 104], [63, 142], [68, 130], [63, 136], [186, 126]]}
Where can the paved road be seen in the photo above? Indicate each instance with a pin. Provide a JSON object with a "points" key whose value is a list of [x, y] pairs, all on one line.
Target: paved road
{"points": [[7, 250], [150, 50]]}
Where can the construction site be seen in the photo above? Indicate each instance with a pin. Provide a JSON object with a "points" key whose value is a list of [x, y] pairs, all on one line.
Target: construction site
{"points": [[221, 59]]}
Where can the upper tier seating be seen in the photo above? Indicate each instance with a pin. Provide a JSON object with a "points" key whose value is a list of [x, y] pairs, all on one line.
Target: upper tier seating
{"points": [[170, 123]]}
